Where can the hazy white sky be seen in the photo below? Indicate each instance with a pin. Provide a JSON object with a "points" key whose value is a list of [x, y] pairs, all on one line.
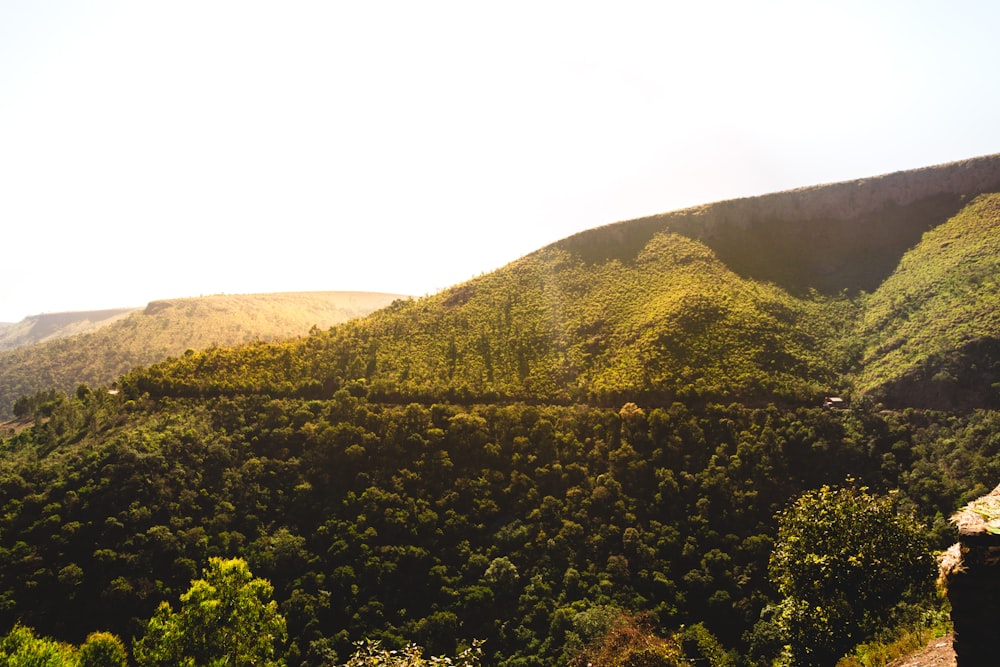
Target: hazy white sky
{"points": [[164, 149]]}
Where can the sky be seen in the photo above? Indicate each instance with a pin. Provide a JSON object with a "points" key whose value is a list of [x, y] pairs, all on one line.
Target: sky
{"points": [[153, 149]]}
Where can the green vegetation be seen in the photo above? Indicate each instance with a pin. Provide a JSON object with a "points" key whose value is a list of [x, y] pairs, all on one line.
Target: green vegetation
{"points": [[226, 618], [930, 332], [609, 451], [671, 323], [169, 328], [22, 648], [372, 654], [442, 524], [845, 563], [894, 643]]}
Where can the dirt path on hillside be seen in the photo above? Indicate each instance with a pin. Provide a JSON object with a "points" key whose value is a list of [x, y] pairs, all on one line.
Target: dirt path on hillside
{"points": [[938, 653]]}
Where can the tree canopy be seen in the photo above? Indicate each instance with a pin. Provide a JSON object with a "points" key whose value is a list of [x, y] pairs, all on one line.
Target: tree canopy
{"points": [[226, 618], [844, 560]]}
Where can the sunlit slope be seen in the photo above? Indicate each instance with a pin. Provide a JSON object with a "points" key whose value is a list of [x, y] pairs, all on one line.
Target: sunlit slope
{"points": [[168, 328], [931, 332], [669, 322], [752, 299], [50, 326]]}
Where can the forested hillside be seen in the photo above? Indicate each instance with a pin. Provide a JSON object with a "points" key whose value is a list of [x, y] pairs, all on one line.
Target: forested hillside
{"points": [[164, 328], [671, 322], [610, 438]]}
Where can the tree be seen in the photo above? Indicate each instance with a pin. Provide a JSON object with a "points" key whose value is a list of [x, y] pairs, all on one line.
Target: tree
{"points": [[226, 618], [103, 649], [22, 648], [844, 561]]}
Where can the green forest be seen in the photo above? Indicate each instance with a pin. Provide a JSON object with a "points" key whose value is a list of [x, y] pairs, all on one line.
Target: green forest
{"points": [[611, 451]]}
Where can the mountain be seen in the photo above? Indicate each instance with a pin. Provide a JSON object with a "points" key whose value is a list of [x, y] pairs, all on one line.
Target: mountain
{"points": [[597, 438], [755, 300], [96, 347], [50, 326]]}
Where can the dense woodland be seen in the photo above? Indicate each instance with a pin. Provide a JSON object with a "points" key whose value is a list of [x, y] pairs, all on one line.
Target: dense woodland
{"points": [[442, 524], [614, 427]]}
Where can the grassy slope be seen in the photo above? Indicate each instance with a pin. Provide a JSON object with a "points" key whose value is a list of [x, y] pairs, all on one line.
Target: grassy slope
{"points": [[931, 332], [670, 321], [168, 328]]}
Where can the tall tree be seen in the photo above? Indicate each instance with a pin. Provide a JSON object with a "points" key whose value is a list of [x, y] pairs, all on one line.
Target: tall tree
{"points": [[228, 617]]}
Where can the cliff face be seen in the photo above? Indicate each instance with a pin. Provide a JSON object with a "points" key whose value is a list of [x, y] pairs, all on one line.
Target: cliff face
{"points": [[855, 200], [841, 236]]}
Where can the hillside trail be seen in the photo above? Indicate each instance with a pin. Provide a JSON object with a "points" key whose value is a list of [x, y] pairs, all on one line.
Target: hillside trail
{"points": [[938, 653]]}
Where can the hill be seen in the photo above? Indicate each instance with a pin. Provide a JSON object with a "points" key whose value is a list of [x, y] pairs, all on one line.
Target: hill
{"points": [[671, 322], [604, 429], [931, 331], [123, 339], [50, 326], [754, 300]]}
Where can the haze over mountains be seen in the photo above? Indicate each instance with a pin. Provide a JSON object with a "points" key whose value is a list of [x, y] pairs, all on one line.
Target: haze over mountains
{"points": [[48, 326], [62, 350], [606, 427]]}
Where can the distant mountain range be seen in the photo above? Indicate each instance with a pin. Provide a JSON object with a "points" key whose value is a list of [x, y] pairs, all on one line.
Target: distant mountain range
{"points": [[62, 350]]}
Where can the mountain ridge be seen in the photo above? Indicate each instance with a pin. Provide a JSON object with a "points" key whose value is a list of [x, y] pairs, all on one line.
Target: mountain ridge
{"points": [[876, 219], [755, 309], [39, 328], [63, 359]]}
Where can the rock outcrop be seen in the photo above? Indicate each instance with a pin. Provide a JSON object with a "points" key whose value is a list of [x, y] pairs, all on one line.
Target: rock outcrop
{"points": [[971, 573]]}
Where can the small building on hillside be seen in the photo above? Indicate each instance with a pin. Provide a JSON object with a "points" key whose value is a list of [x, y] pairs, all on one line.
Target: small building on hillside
{"points": [[834, 403]]}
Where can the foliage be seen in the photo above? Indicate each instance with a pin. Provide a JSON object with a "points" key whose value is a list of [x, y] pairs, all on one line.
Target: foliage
{"points": [[673, 322], [893, 644], [629, 642], [844, 561], [21, 648], [444, 523], [372, 654], [703, 647], [103, 649], [604, 429], [226, 618]]}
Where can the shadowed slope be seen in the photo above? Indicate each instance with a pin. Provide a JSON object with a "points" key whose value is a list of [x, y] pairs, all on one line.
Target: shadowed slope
{"points": [[842, 236]]}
